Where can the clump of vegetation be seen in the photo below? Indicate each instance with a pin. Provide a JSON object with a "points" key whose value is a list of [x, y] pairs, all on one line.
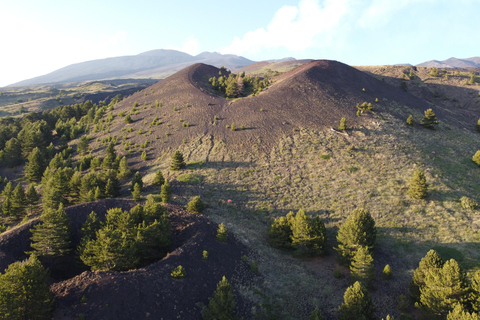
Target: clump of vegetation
{"points": [[222, 234], [305, 234], [158, 180], [357, 231], [196, 205], [178, 272], [222, 303], [429, 120], [468, 203], [410, 120], [361, 268], [476, 158], [343, 124], [478, 121], [357, 304], [128, 119], [177, 161], [387, 272], [418, 185], [165, 192], [205, 255], [434, 72], [364, 107], [127, 240]]}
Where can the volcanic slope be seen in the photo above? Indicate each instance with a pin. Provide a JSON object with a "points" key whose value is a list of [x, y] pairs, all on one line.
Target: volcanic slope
{"points": [[313, 96]]}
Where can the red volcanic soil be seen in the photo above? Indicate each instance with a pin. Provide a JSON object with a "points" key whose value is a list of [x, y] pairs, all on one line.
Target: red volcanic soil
{"points": [[148, 292]]}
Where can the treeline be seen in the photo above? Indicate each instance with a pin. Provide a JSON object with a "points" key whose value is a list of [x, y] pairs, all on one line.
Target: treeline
{"points": [[234, 85], [19, 136]]}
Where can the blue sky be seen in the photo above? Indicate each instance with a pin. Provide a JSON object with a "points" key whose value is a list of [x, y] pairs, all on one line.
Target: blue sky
{"points": [[38, 37]]}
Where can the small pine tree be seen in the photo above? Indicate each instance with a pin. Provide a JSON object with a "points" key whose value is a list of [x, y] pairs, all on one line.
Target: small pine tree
{"points": [[459, 313], [428, 263], [159, 180], [362, 267], [343, 124], [429, 120], [137, 178], [411, 75], [358, 230], [357, 304], [18, 202], [144, 155], [222, 234], [410, 120], [476, 158], [110, 156], [137, 192], [165, 192], [196, 205], [387, 272], [177, 161], [98, 193], [280, 232], [316, 315], [124, 171], [478, 122], [24, 291], [128, 119], [418, 186], [35, 166], [32, 198], [222, 303], [52, 236]]}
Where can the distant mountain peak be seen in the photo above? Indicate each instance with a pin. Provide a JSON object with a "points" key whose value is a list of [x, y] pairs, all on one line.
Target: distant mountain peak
{"points": [[452, 63]]}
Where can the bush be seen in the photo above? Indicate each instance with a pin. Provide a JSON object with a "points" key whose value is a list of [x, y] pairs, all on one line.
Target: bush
{"points": [[128, 119], [178, 162], [418, 185], [178, 272], [222, 234], [196, 205], [476, 158], [387, 272], [468, 203], [410, 120], [343, 124], [205, 255], [429, 120]]}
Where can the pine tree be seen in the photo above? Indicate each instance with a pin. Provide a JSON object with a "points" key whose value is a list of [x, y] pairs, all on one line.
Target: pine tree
{"points": [[387, 272], [459, 313], [178, 162], [222, 303], [98, 193], [124, 171], [476, 158], [137, 178], [280, 232], [362, 267], [24, 292], [128, 119], [343, 124], [410, 120], [110, 156], [418, 185], [12, 153], [144, 155], [52, 236], [316, 315], [32, 198], [166, 192], [429, 120], [222, 234], [35, 166], [82, 146], [430, 262], [159, 180], [7, 208], [54, 190], [90, 227], [8, 190], [18, 202], [357, 304], [444, 288], [358, 230], [308, 234], [137, 192], [196, 205]]}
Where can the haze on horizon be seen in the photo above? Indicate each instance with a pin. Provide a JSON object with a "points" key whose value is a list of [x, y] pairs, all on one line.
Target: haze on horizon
{"points": [[40, 37]]}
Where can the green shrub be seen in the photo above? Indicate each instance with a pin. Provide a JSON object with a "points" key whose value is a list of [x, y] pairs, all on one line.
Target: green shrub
{"points": [[222, 234], [476, 158], [410, 120], [205, 255], [387, 272], [343, 124], [418, 185], [468, 203], [178, 272], [196, 205]]}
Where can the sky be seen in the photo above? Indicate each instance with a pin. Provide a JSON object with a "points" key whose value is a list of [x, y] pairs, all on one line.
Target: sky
{"points": [[38, 37]]}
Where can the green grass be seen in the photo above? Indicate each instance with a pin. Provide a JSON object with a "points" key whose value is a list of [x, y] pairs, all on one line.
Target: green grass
{"points": [[190, 178]]}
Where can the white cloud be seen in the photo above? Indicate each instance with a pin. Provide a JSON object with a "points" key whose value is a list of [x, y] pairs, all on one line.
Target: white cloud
{"points": [[190, 46], [296, 28]]}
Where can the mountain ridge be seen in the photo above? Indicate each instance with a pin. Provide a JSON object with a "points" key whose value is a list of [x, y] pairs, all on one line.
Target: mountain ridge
{"points": [[452, 62], [149, 64]]}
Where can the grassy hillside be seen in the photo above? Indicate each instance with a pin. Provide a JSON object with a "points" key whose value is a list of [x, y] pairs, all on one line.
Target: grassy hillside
{"points": [[290, 156]]}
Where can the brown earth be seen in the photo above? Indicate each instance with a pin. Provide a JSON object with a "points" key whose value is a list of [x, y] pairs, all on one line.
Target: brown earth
{"points": [[315, 96], [148, 292]]}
